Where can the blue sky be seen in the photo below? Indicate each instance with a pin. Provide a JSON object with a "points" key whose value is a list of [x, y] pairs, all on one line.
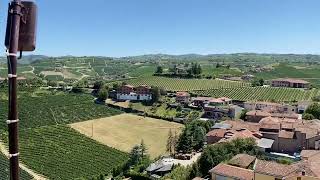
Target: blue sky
{"points": [[135, 27]]}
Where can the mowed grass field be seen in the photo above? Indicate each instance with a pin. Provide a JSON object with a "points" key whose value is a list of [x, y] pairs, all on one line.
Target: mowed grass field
{"points": [[126, 130]]}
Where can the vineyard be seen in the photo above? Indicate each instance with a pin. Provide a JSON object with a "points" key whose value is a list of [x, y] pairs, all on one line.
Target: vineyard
{"points": [[4, 170], [174, 84], [262, 93], [55, 109], [59, 152]]}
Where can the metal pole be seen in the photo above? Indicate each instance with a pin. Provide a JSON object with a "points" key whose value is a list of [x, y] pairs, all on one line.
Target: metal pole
{"points": [[12, 121]]}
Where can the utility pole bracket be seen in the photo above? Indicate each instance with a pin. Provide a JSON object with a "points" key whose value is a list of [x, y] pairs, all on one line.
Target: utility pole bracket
{"points": [[12, 121], [13, 155]]}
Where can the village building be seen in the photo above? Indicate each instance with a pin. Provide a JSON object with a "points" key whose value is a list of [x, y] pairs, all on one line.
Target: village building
{"points": [[140, 93], [160, 168], [216, 108], [291, 83], [282, 135], [257, 115], [246, 167], [201, 101], [225, 135], [182, 97], [270, 107]]}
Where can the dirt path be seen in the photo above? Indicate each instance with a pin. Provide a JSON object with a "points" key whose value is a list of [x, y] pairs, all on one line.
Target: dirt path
{"points": [[36, 176]]}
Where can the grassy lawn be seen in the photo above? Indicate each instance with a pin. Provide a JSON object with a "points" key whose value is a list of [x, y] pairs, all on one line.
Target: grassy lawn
{"points": [[124, 131]]}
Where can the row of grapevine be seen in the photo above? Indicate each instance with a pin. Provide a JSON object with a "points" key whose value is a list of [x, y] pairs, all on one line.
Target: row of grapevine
{"points": [[4, 169], [175, 84], [55, 109], [262, 93], [59, 152]]}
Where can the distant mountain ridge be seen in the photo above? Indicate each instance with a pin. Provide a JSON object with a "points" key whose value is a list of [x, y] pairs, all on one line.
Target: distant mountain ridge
{"points": [[27, 59]]}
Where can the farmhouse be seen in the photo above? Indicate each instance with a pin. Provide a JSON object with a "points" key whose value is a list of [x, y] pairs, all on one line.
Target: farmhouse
{"points": [[289, 82], [140, 93], [224, 135], [216, 108], [257, 115], [270, 107], [182, 97], [238, 168], [201, 101]]}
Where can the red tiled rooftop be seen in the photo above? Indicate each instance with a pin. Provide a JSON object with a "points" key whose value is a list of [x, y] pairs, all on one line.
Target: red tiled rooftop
{"points": [[286, 134], [242, 160], [217, 133], [291, 80], [258, 113], [232, 172], [272, 168], [182, 94]]}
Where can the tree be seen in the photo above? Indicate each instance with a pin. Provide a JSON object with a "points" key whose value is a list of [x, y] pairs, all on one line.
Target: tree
{"points": [[261, 82], [97, 85], [314, 109], [159, 70], [170, 142], [155, 91], [198, 138], [185, 141], [243, 114], [143, 149], [308, 116], [134, 156], [103, 94]]}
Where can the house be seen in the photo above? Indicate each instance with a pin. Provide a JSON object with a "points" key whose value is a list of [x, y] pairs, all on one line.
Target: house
{"points": [[140, 93], [217, 108], [270, 107], [182, 97], [290, 135], [246, 167], [201, 101], [242, 160], [247, 77], [225, 135], [269, 170], [229, 172], [160, 167], [291, 83], [257, 115], [273, 134]]}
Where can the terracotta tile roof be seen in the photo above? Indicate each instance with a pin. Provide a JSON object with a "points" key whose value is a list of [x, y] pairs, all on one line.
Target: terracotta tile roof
{"points": [[242, 160], [217, 133], [286, 134], [232, 172], [291, 80], [272, 168], [306, 154], [314, 164], [258, 113], [182, 94], [287, 125], [202, 99], [285, 115], [239, 124]]}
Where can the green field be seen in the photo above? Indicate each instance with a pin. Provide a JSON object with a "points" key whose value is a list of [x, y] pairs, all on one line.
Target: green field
{"points": [[59, 152], [4, 170], [262, 93], [174, 84], [55, 109]]}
